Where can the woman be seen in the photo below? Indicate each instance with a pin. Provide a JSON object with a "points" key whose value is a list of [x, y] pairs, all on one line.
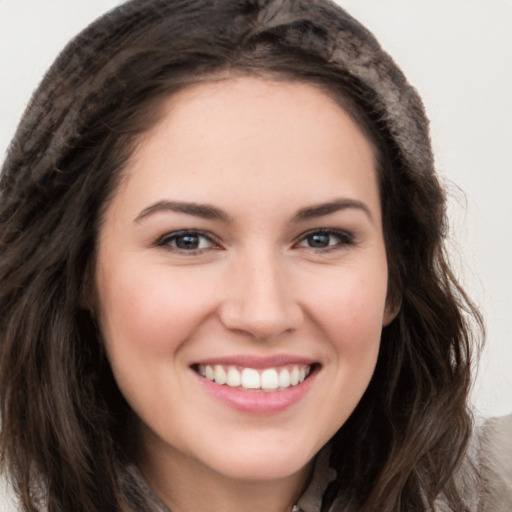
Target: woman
{"points": [[223, 275]]}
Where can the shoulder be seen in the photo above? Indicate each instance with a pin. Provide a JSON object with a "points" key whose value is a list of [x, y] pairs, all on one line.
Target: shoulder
{"points": [[7, 498], [494, 463], [485, 478]]}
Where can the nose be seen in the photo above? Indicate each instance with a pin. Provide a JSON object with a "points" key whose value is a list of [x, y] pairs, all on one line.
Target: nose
{"points": [[259, 298]]}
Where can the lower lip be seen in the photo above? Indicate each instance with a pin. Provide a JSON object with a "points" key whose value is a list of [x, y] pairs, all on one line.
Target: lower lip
{"points": [[258, 402]]}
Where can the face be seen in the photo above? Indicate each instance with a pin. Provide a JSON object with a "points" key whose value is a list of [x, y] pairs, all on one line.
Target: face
{"points": [[241, 278]]}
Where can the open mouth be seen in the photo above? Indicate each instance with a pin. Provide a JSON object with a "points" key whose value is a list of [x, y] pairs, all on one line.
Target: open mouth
{"points": [[251, 379]]}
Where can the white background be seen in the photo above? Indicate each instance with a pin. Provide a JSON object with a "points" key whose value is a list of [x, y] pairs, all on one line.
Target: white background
{"points": [[458, 54]]}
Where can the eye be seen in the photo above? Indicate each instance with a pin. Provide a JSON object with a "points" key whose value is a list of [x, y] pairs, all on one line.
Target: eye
{"points": [[186, 240], [325, 239]]}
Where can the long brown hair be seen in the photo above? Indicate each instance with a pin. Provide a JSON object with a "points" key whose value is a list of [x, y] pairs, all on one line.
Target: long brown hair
{"points": [[63, 417]]}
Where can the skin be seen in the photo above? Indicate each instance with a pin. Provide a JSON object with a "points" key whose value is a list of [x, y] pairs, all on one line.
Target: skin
{"points": [[260, 151]]}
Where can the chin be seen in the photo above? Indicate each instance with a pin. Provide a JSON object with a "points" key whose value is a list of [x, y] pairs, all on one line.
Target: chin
{"points": [[261, 462]]}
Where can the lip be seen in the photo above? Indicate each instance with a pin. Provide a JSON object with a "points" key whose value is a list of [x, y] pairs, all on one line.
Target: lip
{"points": [[257, 401], [256, 362]]}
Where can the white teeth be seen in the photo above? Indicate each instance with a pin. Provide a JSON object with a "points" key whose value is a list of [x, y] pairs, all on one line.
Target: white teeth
{"points": [[294, 376], [284, 378], [234, 377], [220, 374], [209, 373], [250, 378], [269, 379]]}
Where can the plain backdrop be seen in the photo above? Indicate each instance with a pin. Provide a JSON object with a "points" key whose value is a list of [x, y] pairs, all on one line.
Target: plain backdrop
{"points": [[458, 54]]}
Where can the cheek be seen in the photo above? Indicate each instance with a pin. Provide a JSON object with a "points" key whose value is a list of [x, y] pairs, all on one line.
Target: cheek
{"points": [[146, 317], [151, 311], [349, 309], [350, 305]]}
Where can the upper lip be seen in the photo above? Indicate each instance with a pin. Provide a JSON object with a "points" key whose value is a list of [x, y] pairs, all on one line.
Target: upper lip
{"points": [[256, 362]]}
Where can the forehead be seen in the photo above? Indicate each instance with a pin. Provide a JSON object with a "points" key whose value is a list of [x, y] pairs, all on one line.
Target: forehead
{"points": [[254, 137]]}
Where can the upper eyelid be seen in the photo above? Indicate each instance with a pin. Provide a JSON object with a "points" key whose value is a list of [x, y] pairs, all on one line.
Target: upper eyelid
{"points": [[333, 231], [216, 241], [183, 232]]}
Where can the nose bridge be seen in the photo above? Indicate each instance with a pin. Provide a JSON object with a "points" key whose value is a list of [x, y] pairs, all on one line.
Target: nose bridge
{"points": [[260, 300]]}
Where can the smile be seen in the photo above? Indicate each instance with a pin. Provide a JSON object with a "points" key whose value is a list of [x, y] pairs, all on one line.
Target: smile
{"points": [[251, 379]]}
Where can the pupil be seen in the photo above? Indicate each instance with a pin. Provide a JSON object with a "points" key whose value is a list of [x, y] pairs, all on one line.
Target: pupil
{"points": [[187, 242], [318, 240]]}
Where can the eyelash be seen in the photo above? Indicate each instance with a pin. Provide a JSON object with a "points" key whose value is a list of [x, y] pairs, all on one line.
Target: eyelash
{"points": [[166, 241], [345, 239], [169, 238]]}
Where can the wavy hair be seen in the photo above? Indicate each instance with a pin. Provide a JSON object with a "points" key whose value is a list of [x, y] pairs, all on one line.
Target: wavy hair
{"points": [[63, 417]]}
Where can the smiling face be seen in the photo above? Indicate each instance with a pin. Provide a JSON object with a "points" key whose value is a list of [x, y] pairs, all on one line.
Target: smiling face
{"points": [[241, 279]]}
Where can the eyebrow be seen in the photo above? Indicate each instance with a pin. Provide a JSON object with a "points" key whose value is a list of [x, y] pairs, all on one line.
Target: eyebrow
{"points": [[319, 210], [204, 211], [209, 212]]}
